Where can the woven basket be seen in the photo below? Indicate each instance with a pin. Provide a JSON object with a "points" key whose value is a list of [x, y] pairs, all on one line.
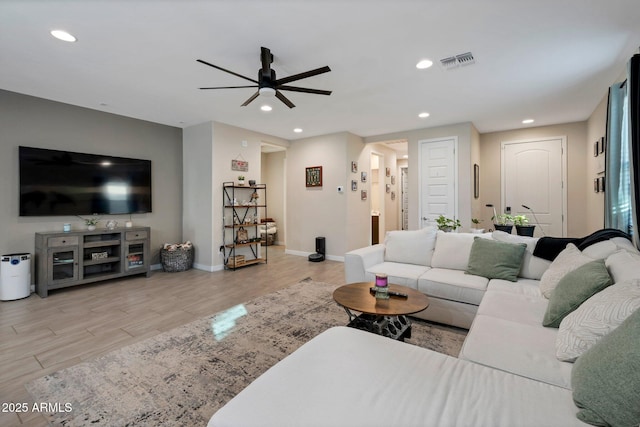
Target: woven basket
{"points": [[175, 261]]}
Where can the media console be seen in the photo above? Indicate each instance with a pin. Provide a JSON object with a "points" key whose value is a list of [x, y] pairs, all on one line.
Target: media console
{"points": [[66, 259]]}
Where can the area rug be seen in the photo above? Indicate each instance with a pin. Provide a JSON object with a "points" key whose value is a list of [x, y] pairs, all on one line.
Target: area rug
{"points": [[181, 377]]}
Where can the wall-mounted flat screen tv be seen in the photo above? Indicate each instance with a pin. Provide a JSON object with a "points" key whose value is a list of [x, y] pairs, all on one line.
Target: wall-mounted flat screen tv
{"points": [[56, 182]]}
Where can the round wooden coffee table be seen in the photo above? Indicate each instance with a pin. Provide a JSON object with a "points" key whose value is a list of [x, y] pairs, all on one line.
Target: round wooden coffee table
{"points": [[383, 317]]}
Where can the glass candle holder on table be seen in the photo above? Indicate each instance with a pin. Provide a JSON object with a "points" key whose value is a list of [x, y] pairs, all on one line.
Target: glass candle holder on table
{"points": [[382, 286]]}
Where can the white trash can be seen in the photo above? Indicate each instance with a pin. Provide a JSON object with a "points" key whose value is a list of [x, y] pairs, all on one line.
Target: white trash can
{"points": [[15, 276]]}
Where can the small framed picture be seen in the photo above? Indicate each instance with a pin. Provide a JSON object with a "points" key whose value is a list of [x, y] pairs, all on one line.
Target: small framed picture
{"points": [[363, 194], [363, 176], [393, 195], [596, 148], [314, 176], [596, 185], [354, 185], [603, 145], [388, 171], [601, 184], [387, 188], [354, 167], [393, 179]]}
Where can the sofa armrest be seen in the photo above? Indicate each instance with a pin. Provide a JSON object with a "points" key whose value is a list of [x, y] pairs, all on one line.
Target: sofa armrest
{"points": [[357, 261]]}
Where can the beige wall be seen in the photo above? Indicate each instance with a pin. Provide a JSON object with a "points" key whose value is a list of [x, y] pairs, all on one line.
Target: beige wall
{"points": [[358, 225], [219, 144], [274, 176], [576, 133], [464, 133], [594, 202], [36, 122]]}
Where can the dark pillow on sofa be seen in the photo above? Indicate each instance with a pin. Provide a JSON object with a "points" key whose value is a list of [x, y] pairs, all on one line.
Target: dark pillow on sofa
{"points": [[606, 379], [575, 288], [495, 260]]}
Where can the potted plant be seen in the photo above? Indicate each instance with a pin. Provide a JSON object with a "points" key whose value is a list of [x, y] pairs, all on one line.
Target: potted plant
{"points": [[503, 222], [91, 222], [523, 228], [240, 179], [474, 228], [447, 224]]}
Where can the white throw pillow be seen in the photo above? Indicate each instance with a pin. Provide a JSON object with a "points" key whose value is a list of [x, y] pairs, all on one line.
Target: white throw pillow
{"points": [[566, 261], [595, 318], [532, 266], [410, 247], [453, 249], [623, 265]]}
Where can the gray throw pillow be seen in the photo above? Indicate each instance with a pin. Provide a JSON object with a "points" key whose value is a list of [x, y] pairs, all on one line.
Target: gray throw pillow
{"points": [[575, 288], [606, 379], [495, 260]]}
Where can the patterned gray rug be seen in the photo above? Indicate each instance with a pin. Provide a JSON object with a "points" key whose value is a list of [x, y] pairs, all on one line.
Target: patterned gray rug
{"points": [[181, 377]]}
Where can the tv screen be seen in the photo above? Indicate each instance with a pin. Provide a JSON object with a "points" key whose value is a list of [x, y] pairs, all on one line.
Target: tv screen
{"points": [[56, 182]]}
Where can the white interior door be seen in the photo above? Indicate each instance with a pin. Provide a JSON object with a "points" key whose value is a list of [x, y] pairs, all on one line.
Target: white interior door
{"points": [[533, 175], [438, 172]]}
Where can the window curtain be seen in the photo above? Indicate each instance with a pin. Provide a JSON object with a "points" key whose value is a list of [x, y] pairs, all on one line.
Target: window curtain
{"points": [[622, 183]]}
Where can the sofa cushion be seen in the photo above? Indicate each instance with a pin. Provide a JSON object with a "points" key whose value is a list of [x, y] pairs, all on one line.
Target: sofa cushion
{"points": [[410, 246], [606, 379], [519, 308], [495, 260], [575, 288], [568, 260], [525, 350], [532, 267], [595, 318], [527, 287], [623, 265], [453, 285], [453, 249], [398, 273], [318, 386]]}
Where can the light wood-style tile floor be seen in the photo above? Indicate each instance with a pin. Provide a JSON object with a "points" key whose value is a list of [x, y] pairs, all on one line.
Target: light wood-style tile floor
{"points": [[39, 336]]}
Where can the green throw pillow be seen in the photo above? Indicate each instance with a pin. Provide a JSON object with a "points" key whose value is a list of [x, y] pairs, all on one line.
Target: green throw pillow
{"points": [[606, 378], [575, 288], [495, 260]]}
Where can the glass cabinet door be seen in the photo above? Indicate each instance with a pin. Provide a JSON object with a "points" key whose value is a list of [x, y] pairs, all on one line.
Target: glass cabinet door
{"points": [[63, 264]]}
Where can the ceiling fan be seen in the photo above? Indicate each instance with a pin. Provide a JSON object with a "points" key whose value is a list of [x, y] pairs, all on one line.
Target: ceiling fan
{"points": [[267, 83]]}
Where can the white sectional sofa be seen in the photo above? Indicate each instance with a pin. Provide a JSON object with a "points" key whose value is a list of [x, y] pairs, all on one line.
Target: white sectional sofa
{"points": [[511, 371]]}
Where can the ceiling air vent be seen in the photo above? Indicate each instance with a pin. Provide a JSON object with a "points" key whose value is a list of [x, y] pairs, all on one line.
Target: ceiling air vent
{"points": [[457, 61]]}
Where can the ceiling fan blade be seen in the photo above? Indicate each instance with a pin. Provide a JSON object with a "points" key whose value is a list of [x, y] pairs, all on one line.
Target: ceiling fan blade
{"points": [[304, 75], [248, 101], [226, 71], [305, 90], [284, 99], [228, 87], [266, 59]]}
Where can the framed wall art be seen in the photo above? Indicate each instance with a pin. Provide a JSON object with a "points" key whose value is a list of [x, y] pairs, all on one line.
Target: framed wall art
{"points": [[363, 176], [354, 167], [354, 185], [314, 176], [363, 195]]}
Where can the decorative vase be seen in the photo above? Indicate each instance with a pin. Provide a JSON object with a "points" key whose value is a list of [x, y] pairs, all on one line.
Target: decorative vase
{"points": [[91, 227], [241, 182], [525, 230]]}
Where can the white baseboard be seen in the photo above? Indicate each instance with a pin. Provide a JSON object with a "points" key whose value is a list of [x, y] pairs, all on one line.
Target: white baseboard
{"points": [[306, 254]]}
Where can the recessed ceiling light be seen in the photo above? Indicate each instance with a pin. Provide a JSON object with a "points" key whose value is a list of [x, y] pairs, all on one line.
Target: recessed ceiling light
{"points": [[266, 108], [527, 121], [424, 63], [423, 115], [63, 35], [297, 130]]}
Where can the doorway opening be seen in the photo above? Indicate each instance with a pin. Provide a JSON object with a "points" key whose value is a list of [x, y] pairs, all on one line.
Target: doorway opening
{"points": [[376, 197]]}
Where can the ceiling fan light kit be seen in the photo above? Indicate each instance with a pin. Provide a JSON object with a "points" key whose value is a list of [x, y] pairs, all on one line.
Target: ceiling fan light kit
{"points": [[268, 84]]}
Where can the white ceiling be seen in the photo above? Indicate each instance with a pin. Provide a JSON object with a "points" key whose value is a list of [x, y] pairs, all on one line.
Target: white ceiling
{"points": [[549, 60]]}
